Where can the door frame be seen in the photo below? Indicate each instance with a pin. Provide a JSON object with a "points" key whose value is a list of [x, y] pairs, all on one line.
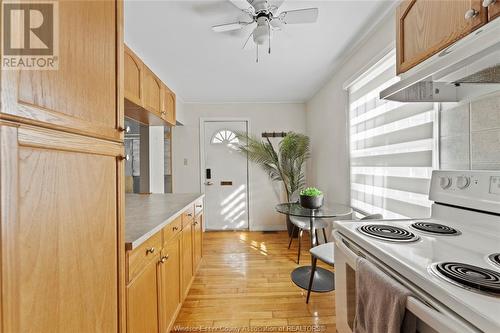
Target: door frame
{"points": [[203, 120]]}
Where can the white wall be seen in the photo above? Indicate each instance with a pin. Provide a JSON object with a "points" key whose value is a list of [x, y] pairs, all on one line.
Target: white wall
{"points": [[327, 116], [262, 118]]}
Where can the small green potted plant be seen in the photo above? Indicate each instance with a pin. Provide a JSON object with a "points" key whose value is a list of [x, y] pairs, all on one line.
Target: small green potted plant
{"points": [[311, 198]]}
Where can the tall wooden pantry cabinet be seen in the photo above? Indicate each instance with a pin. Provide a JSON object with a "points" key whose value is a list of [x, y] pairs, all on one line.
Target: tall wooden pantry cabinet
{"points": [[61, 180]]}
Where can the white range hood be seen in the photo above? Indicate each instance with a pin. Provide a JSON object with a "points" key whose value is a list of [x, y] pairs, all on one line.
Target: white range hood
{"points": [[464, 70]]}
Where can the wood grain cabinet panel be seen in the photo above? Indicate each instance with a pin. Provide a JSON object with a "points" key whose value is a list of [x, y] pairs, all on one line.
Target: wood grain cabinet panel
{"points": [[142, 300], [81, 95], [494, 10], [152, 92], [61, 231], [170, 283], [425, 27], [132, 77], [187, 258], [197, 241], [168, 105]]}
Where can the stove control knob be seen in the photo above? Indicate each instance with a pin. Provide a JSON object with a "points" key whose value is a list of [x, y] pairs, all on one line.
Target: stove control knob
{"points": [[445, 182], [463, 182]]}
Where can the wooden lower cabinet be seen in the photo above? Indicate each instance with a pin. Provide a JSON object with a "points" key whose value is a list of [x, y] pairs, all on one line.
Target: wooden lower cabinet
{"points": [[187, 258], [170, 283], [156, 291], [494, 10], [60, 231], [142, 300], [197, 240]]}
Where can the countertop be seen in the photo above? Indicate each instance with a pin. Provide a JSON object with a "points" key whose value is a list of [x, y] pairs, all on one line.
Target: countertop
{"points": [[146, 214]]}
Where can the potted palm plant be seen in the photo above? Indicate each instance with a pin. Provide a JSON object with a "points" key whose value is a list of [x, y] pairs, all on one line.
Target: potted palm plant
{"points": [[286, 164]]}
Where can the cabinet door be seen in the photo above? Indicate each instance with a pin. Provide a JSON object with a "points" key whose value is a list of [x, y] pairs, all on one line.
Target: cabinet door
{"points": [[187, 258], [494, 10], [170, 289], [168, 103], [132, 77], [142, 301], [197, 240], [61, 229], [152, 92], [84, 94], [425, 27]]}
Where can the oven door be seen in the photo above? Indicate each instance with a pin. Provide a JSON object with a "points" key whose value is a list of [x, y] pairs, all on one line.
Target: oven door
{"points": [[431, 316]]}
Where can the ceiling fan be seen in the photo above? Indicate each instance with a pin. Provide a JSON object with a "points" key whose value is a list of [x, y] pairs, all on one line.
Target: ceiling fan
{"points": [[265, 17]]}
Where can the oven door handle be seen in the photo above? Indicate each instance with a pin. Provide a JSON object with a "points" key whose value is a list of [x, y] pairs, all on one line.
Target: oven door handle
{"points": [[347, 248]]}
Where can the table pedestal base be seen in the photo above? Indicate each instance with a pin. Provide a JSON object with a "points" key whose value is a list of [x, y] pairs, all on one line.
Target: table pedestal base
{"points": [[324, 280]]}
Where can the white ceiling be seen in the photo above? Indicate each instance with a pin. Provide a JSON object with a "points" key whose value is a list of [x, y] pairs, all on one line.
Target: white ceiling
{"points": [[174, 38]]}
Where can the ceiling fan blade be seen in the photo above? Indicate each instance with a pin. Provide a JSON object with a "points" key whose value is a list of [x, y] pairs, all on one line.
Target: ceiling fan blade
{"points": [[308, 15], [243, 5], [229, 26], [249, 44], [275, 4]]}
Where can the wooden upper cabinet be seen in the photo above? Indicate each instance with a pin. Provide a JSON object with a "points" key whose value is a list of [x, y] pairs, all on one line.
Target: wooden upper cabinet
{"points": [[494, 10], [425, 27], [152, 92], [84, 94], [168, 105], [61, 240], [132, 77]]}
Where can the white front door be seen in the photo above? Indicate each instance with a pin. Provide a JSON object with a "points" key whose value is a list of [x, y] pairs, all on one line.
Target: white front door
{"points": [[225, 176]]}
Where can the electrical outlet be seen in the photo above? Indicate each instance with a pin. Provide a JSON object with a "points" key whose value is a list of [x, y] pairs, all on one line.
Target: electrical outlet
{"points": [[185, 162]]}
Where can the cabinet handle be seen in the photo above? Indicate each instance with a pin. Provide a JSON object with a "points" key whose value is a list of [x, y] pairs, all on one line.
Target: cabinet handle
{"points": [[175, 228], [195, 223], [124, 157], [199, 206], [164, 258], [190, 214], [487, 3], [471, 13], [125, 129], [150, 250]]}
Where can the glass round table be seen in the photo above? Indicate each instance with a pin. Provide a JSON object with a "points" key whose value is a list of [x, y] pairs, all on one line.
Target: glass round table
{"points": [[324, 280]]}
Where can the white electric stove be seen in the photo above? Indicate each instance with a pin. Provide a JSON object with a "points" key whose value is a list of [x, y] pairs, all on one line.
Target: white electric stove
{"points": [[450, 261]]}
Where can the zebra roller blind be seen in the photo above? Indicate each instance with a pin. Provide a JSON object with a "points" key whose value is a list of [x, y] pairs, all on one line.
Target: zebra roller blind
{"points": [[391, 147]]}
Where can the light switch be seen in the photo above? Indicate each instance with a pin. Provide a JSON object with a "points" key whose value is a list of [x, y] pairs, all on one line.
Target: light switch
{"points": [[185, 162], [495, 185]]}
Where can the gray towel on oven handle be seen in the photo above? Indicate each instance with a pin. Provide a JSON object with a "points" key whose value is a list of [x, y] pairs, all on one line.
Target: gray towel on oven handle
{"points": [[380, 302]]}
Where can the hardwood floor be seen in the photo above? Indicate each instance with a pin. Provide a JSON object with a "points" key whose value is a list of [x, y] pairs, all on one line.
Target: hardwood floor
{"points": [[244, 282]]}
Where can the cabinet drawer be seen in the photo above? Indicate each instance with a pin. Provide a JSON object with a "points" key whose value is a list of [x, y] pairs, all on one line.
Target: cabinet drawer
{"points": [[187, 216], [141, 256], [198, 207], [172, 229]]}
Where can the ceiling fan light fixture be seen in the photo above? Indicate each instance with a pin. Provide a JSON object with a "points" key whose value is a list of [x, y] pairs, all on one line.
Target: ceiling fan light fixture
{"points": [[261, 32]]}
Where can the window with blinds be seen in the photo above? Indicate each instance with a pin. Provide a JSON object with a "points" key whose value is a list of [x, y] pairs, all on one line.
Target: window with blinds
{"points": [[392, 147]]}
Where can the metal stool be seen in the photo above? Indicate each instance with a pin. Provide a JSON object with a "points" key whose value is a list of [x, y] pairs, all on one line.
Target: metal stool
{"points": [[303, 223], [326, 253]]}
